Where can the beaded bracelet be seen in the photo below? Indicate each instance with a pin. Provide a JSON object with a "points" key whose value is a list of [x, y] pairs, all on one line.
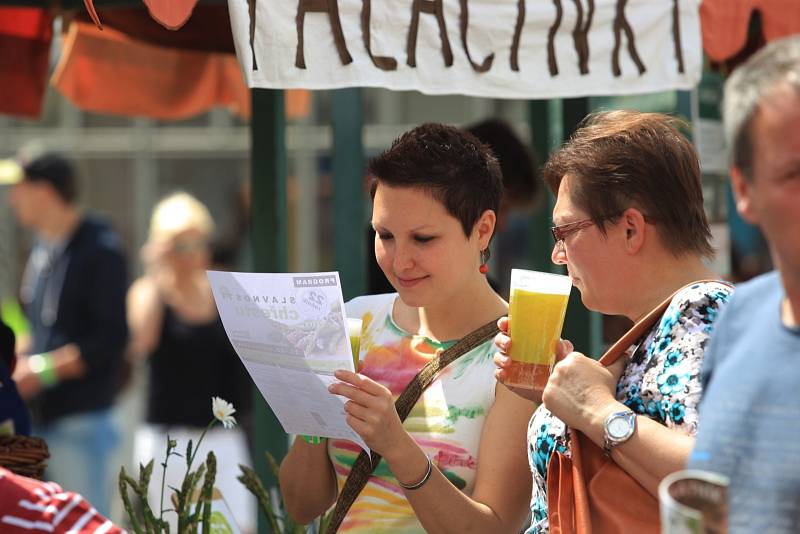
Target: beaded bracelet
{"points": [[312, 440], [424, 479]]}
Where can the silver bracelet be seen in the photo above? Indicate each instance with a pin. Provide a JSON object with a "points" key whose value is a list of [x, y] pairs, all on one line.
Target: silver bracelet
{"points": [[424, 479]]}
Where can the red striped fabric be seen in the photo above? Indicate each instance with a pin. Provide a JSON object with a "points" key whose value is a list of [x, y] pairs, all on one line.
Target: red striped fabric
{"points": [[28, 505]]}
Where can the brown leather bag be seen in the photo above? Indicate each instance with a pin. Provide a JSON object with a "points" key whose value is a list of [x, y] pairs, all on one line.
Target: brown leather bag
{"points": [[589, 493]]}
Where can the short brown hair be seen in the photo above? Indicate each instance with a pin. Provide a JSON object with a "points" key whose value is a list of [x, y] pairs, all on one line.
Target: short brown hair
{"points": [[450, 164], [622, 159]]}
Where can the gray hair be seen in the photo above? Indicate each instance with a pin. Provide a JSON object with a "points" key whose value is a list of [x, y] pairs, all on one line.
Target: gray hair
{"points": [[776, 64]]}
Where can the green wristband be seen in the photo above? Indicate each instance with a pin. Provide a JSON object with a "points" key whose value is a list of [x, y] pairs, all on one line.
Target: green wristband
{"points": [[313, 440], [43, 366]]}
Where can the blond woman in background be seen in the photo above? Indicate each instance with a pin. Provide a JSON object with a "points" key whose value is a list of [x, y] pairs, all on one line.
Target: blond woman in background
{"points": [[175, 326]]}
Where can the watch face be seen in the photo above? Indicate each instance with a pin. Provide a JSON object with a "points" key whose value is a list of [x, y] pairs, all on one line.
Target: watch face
{"points": [[618, 428]]}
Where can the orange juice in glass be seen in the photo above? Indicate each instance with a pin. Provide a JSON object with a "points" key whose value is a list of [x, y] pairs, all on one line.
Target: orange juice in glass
{"points": [[536, 314], [354, 333]]}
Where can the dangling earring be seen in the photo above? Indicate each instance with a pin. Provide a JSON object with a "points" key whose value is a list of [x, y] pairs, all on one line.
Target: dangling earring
{"points": [[485, 255]]}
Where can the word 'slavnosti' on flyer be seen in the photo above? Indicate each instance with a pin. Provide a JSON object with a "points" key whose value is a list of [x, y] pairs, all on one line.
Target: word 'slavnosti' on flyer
{"points": [[290, 331]]}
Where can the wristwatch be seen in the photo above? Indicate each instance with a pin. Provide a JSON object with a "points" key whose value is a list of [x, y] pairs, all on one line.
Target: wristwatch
{"points": [[618, 428]]}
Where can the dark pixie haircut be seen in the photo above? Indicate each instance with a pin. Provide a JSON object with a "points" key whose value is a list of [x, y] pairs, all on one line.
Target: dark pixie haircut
{"points": [[521, 181], [450, 164], [622, 159]]}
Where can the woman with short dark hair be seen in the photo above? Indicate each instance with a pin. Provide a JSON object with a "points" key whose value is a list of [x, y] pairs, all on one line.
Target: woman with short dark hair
{"points": [[631, 231], [453, 464]]}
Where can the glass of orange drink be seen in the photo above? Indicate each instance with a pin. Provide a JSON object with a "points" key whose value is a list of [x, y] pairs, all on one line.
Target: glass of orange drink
{"points": [[536, 313]]}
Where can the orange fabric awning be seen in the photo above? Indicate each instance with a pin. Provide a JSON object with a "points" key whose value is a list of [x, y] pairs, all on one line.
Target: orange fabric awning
{"points": [[172, 14], [725, 23], [208, 29], [25, 35], [109, 72]]}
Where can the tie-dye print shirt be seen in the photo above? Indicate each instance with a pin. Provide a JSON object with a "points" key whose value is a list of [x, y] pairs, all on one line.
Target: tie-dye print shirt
{"points": [[661, 381], [446, 421]]}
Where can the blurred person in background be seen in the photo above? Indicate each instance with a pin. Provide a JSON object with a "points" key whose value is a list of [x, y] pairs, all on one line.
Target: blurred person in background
{"points": [[14, 416], [521, 184], [175, 325], [73, 293], [748, 413]]}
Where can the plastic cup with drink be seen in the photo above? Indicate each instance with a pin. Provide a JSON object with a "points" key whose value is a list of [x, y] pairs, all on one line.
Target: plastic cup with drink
{"points": [[354, 333], [694, 502], [536, 314]]}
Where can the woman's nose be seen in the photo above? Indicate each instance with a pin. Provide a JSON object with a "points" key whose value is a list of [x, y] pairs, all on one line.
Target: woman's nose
{"points": [[558, 255], [403, 258]]}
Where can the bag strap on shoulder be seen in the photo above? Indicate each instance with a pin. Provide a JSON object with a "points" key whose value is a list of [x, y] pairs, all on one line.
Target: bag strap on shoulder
{"points": [[644, 324], [366, 464]]}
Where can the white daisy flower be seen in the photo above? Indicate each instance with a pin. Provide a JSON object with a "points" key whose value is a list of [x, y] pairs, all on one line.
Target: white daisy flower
{"points": [[223, 411]]}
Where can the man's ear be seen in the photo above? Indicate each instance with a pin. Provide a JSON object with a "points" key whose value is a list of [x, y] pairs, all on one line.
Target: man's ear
{"points": [[633, 223], [742, 193], [484, 228]]}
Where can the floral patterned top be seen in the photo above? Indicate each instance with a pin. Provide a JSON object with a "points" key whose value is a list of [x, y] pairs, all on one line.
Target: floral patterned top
{"points": [[661, 380]]}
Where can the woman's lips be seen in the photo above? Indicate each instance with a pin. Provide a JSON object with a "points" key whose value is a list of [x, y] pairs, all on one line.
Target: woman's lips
{"points": [[410, 282]]}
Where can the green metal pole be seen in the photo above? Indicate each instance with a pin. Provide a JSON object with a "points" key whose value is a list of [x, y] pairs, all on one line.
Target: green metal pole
{"points": [[349, 219], [582, 327], [541, 244], [269, 242]]}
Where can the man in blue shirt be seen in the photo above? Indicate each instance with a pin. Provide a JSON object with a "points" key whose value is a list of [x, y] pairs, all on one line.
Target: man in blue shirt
{"points": [[73, 292], [749, 427]]}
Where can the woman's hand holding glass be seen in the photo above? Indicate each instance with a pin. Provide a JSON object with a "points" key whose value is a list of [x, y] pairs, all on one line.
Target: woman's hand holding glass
{"points": [[580, 389], [370, 412], [503, 361]]}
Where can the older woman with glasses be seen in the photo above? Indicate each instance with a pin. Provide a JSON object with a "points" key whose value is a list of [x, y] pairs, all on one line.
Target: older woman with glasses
{"points": [[631, 231]]}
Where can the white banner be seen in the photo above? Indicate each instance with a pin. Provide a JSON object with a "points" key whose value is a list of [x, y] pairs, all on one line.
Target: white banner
{"points": [[492, 48]]}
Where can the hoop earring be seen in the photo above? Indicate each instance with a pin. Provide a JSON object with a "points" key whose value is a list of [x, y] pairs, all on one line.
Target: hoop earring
{"points": [[485, 255]]}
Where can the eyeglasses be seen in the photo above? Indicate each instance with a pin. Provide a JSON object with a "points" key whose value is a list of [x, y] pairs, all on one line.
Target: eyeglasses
{"points": [[563, 231]]}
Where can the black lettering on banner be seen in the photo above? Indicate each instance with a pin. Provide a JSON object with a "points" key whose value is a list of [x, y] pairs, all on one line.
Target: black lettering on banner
{"points": [[621, 24], [464, 23], [331, 7], [580, 33], [517, 35], [431, 7], [676, 34], [251, 8], [551, 39], [382, 62]]}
